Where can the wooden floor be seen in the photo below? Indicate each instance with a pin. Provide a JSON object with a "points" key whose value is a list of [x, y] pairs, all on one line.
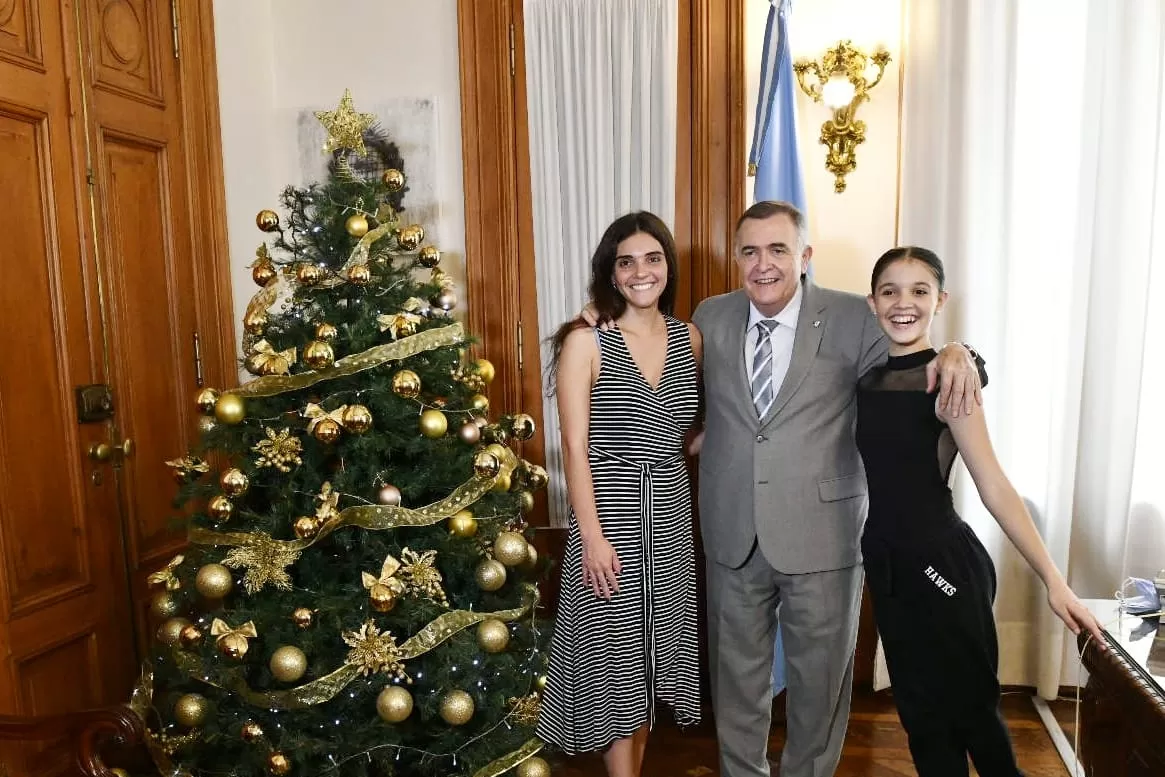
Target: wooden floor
{"points": [[875, 744]]}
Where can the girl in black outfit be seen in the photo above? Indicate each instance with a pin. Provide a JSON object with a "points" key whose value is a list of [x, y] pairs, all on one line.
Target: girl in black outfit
{"points": [[931, 579]]}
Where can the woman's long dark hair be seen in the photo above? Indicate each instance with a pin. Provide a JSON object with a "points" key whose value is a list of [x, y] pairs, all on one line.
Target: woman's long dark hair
{"points": [[606, 299]]}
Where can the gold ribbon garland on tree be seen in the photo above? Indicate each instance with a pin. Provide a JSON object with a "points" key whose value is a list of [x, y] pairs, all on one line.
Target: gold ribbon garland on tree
{"points": [[510, 760], [327, 687], [266, 559], [430, 339]]}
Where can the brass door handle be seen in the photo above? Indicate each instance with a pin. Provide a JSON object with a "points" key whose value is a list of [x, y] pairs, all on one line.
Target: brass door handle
{"points": [[103, 451]]}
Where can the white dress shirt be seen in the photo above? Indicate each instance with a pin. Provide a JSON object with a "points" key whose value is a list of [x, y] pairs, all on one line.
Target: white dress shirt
{"points": [[781, 337]]}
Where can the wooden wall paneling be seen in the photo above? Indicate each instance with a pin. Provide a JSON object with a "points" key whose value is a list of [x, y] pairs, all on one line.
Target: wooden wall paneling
{"points": [[501, 307]]}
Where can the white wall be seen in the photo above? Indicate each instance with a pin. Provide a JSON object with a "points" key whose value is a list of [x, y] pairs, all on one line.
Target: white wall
{"points": [[277, 58], [848, 230]]}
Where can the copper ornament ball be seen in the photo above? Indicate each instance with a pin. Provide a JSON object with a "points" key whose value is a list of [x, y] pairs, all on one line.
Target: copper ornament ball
{"points": [[429, 257], [219, 508], [234, 482], [309, 274], [302, 617], [394, 179], [306, 527], [250, 731], [205, 400], [318, 355], [381, 598], [357, 419], [263, 273], [359, 274], [406, 383]]}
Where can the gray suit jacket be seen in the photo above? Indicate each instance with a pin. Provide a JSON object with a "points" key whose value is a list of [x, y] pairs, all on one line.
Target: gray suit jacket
{"points": [[792, 480]]}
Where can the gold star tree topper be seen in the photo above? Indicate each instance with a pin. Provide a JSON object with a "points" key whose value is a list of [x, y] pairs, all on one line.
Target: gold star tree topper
{"points": [[345, 126]]}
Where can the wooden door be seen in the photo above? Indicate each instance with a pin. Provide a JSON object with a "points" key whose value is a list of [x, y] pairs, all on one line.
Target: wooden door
{"points": [[144, 246], [113, 272], [63, 625]]}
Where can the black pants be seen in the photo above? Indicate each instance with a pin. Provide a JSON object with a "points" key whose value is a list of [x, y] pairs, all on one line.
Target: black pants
{"points": [[932, 603]]}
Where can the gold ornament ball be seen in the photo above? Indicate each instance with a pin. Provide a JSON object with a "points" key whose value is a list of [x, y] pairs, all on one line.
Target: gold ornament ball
{"points": [[302, 617], [510, 548], [486, 464], [540, 682], [357, 225], [522, 426], [531, 561], [429, 257], [493, 635], [537, 476], [230, 409], [263, 273], [214, 581], [309, 274], [251, 731], [533, 767], [288, 663], [306, 527], [170, 632], [233, 646], [381, 597], [234, 482], [485, 369], [394, 704], [357, 419], [498, 450], [219, 508], [479, 402], [527, 501], [206, 400], [446, 300], [164, 605], [410, 237], [327, 431], [278, 764], [502, 484], [318, 355], [359, 274], [462, 524], [326, 332], [191, 709], [388, 495], [407, 384], [496, 433], [255, 322], [433, 423], [490, 575], [394, 179], [457, 708], [190, 637], [267, 220], [470, 433]]}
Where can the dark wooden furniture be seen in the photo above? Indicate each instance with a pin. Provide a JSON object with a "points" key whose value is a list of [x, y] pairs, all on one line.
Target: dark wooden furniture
{"points": [[92, 735], [1122, 712]]}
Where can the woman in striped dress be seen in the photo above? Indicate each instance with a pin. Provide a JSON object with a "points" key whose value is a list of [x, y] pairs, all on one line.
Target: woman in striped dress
{"points": [[625, 636]]}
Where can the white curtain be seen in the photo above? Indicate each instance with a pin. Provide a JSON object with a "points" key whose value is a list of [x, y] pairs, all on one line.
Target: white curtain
{"points": [[1034, 163], [601, 84]]}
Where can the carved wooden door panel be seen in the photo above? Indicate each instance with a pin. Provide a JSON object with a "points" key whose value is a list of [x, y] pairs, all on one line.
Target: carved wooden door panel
{"points": [[110, 257], [64, 635], [145, 247]]}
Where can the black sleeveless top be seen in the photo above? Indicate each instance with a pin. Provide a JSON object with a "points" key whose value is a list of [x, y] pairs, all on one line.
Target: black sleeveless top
{"points": [[908, 454]]}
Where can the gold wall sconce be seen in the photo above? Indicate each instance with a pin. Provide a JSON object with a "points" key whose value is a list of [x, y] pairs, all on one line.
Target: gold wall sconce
{"points": [[842, 79]]}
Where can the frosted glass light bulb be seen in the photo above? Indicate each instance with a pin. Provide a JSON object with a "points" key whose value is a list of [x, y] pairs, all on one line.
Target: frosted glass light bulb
{"points": [[837, 92]]}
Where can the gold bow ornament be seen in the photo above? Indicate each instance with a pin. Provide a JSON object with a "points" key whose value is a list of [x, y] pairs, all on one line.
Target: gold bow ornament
{"points": [[265, 360], [399, 324], [383, 591], [232, 642], [165, 576]]}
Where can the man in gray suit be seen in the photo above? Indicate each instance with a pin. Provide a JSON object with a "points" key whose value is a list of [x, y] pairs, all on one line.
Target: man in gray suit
{"points": [[783, 492]]}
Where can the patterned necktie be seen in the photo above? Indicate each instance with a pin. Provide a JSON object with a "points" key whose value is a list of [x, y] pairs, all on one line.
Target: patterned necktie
{"points": [[762, 367]]}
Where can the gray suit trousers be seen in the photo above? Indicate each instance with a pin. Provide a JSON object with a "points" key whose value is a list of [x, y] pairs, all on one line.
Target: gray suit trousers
{"points": [[819, 623]]}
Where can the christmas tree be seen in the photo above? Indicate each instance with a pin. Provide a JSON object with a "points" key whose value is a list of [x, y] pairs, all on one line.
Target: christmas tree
{"points": [[358, 597]]}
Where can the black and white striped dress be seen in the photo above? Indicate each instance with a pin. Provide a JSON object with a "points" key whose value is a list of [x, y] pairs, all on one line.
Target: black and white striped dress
{"points": [[610, 659]]}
